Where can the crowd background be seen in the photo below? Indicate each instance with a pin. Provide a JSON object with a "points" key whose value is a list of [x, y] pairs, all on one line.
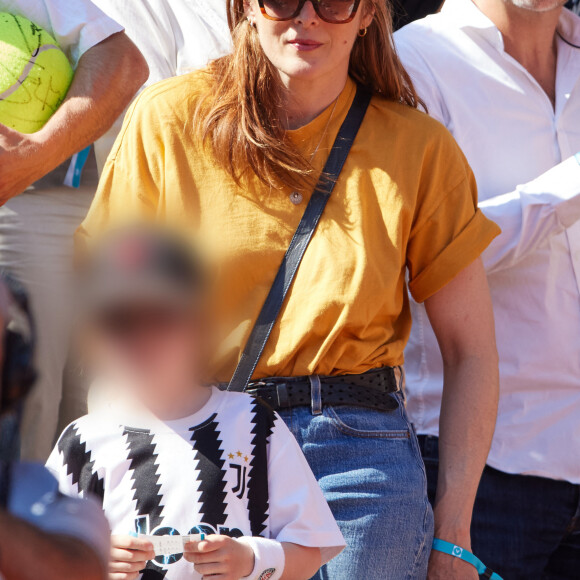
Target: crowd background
{"points": [[507, 87]]}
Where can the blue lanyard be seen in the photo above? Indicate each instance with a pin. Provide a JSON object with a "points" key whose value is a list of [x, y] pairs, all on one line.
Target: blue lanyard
{"points": [[466, 556], [80, 161]]}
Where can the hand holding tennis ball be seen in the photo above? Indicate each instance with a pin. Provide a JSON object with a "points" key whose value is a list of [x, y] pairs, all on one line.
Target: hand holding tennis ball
{"points": [[34, 78], [35, 74]]}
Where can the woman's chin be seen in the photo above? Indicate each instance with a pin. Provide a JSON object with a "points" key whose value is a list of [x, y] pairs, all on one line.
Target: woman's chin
{"points": [[302, 71]]}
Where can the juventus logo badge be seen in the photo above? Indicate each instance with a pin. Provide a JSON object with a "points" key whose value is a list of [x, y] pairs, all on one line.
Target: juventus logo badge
{"points": [[240, 487]]}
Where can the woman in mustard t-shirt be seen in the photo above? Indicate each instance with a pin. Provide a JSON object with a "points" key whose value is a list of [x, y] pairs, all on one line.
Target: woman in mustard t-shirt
{"points": [[234, 152]]}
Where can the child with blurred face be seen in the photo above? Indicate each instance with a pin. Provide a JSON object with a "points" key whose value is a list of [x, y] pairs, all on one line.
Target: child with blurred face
{"points": [[170, 456]]}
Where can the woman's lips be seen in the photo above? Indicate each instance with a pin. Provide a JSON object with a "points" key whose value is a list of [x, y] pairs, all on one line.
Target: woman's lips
{"points": [[304, 45]]}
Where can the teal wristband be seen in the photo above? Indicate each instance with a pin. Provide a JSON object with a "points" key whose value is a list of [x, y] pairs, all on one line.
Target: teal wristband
{"points": [[466, 556]]}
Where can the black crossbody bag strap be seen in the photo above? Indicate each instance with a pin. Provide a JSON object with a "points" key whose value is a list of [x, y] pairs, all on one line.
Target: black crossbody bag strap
{"points": [[287, 271]]}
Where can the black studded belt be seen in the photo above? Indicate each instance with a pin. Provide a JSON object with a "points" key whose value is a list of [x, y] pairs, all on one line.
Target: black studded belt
{"points": [[372, 390]]}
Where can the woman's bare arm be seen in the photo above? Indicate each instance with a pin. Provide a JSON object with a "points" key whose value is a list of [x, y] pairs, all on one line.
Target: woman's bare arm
{"points": [[461, 315]]}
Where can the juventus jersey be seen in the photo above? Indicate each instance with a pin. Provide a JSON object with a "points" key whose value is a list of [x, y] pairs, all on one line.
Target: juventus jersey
{"points": [[233, 468]]}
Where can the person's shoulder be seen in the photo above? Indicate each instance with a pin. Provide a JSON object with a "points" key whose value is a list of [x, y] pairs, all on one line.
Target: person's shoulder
{"points": [[422, 141], [167, 104], [422, 31], [84, 431], [429, 22], [177, 91], [430, 41], [84, 422], [408, 125]]}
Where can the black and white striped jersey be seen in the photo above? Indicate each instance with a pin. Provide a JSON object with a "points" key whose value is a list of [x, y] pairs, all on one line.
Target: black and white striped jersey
{"points": [[232, 468]]}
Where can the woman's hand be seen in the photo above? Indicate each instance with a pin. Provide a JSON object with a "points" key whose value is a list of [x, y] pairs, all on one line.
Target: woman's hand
{"points": [[221, 557], [129, 555]]}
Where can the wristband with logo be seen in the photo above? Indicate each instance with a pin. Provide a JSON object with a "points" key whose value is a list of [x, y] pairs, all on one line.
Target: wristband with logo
{"points": [[466, 556], [269, 558]]}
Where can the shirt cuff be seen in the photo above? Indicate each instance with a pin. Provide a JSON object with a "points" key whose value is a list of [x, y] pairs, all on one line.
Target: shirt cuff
{"points": [[461, 252], [269, 558], [566, 183]]}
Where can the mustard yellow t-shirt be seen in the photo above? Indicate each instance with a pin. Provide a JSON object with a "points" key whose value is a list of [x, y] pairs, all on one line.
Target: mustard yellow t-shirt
{"points": [[406, 200]]}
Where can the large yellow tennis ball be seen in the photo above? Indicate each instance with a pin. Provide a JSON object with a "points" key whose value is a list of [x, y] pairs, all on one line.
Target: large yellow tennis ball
{"points": [[35, 74]]}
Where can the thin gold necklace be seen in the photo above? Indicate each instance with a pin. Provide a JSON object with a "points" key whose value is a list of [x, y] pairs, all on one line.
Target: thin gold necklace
{"points": [[325, 129], [296, 197]]}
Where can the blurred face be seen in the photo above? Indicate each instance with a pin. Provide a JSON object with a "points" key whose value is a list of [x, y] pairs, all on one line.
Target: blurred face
{"points": [[306, 47], [152, 351]]}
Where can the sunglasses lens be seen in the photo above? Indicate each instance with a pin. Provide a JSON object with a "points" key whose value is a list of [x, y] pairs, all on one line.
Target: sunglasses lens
{"points": [[280, 9], [336, 11]]}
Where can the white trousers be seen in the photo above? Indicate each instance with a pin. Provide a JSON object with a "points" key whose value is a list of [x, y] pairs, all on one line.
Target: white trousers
{"points": [[36, 245]]}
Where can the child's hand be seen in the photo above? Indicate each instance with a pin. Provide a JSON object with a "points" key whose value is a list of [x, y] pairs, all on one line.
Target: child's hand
{"points": [[129, 555], [220, 557]]}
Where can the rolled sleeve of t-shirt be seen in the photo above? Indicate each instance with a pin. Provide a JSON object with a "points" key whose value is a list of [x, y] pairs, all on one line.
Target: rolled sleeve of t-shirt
{"points": [[77, 26], [449, 231]]}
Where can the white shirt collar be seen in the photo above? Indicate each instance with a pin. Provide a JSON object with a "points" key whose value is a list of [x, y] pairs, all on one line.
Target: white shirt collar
{"points": [[569, 26]]}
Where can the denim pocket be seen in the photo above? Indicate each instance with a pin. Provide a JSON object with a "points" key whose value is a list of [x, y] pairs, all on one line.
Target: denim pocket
{"points": [[361, 422]]}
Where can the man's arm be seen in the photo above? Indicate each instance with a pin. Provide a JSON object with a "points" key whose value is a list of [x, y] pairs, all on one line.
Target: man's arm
{"points": [[462, 318], [27, 553], [106, 79], [530, 216]]}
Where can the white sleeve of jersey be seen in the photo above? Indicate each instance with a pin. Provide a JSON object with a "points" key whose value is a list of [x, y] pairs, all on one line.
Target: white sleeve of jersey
{"points": [[57, 467], [298, 511]]}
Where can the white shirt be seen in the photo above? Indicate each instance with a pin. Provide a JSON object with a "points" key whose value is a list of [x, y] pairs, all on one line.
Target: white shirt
{"points": [[77, 26], [175, 37], [511, 135], [204, 473]]}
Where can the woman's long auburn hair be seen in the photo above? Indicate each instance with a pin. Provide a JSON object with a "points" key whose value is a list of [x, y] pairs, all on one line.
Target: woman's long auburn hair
{"points": [[240, 114]]}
